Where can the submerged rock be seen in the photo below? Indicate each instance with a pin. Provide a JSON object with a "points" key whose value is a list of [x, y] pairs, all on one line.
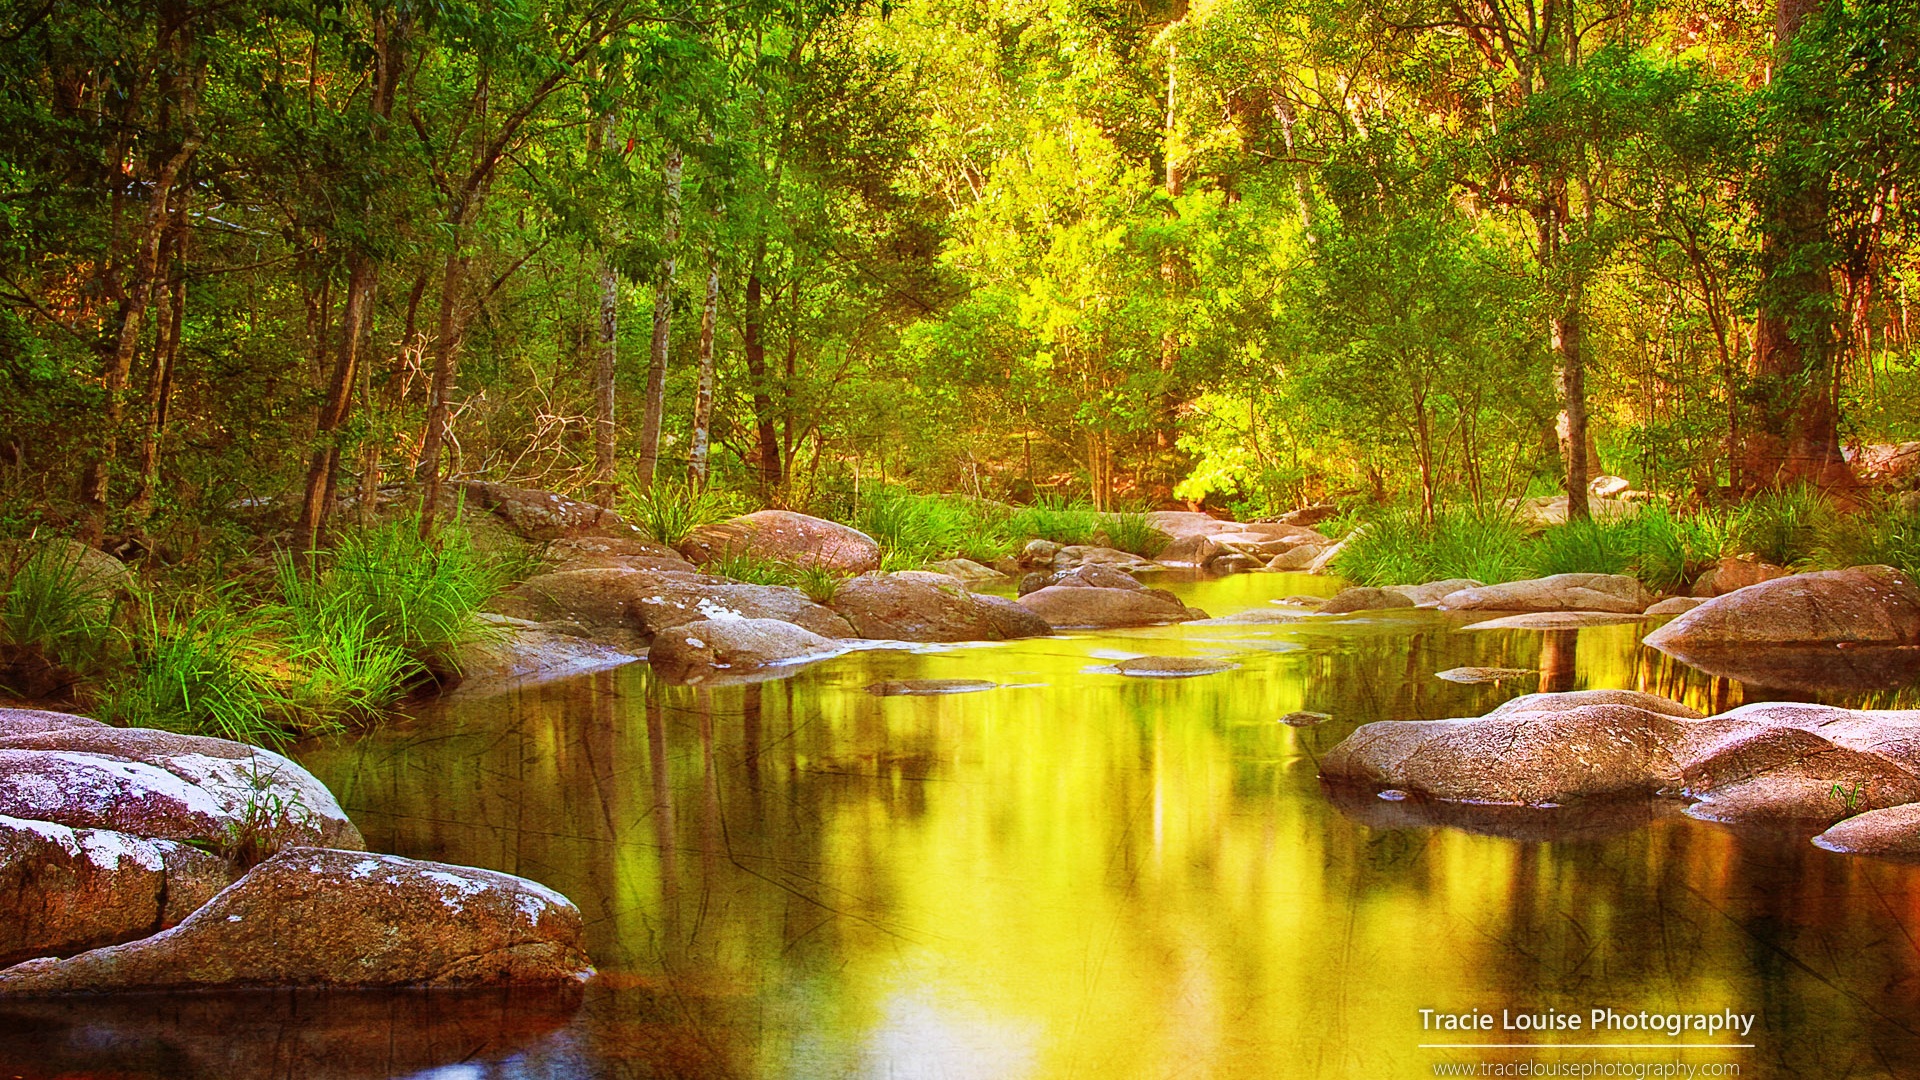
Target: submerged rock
{"points": [[1066, 607], [1478, 675], [930, 687], [321, 917], [1553, 620], [700, 651], [1174, 667], [788, 537], [1559, 592], [1305, 719]]}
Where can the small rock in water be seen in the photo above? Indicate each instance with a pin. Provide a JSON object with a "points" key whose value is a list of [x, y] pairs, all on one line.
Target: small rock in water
{"points": [[1482, 674], [1305, 719], [927, 687], [1393, 795], [1303, 601], [1171, 667]]}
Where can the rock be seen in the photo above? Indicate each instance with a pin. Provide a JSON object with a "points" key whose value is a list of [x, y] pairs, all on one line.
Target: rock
{"points": [[1299, 559], [1304, 719], [1075, 555], [698, 651], [930, 687], [1728, 575], [787, 537], [1251, 617], [158, 784], [1553, 620], [95, 573], [1884, 463], [1181, 524], [1364, 599], [1302, 601], [69, 890], [1081, 608], [1633, 699], [1324, 561], [1786, 775], [1585, 821], [1171, 667], [1430, 594], [525, 652], [543, 515], [899, 608], [1675, 605], [620, 607], [1561, 592], [1012, 620], [319, 917], [36, 721], [966, 570], [1189, 551], [1548, 510], [1039, 554], [1608, 487], [1090, 576], [1234, 562], [1890, 833], [1474, 676], [1515, 757], [1308, 516], [1866, 605]]}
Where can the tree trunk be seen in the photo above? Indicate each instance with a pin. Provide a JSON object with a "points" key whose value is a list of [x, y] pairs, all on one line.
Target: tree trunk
{"points": [[95, 479], [703, 390], [166, 351], [1792, 433], [446, 357], [605, 360], [655, 404], [363, 282], [1570, 369], [755, 347]]}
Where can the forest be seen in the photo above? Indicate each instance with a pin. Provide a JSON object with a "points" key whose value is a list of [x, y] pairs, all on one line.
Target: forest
{"points": [[268, 267]]}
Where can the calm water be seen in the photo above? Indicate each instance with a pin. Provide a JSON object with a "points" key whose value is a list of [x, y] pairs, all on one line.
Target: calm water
{"points": [[1074, 874]]}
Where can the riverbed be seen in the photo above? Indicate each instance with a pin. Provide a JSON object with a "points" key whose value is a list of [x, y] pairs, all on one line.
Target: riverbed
{"points": [[1077, 873]]}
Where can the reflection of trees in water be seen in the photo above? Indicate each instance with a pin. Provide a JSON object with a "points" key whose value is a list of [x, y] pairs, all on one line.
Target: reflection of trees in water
{"points": [[754, 861]]}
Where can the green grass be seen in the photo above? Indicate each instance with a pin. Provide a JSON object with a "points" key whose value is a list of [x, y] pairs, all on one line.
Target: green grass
{"points": [[1782, 527], [1134, 533], [341, 665], [197, 669], [1887, 535], [1397, 548], [914, 530], [54, 606], [418, 595], [669, 512]]}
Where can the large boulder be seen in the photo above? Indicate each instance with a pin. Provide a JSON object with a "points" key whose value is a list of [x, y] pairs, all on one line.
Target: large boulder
{"points": [[787, 537], [1364, 598], [1067, 607], [93, 572], [1559, 592], [1729, 575], [1193, 550], [900, 608], [1298, 559], [1089, 576], [620, 605], [543, 515], [1865, 605], [1180, 524], [68, 890], [317, 917], [733, 648], [159, 784]]}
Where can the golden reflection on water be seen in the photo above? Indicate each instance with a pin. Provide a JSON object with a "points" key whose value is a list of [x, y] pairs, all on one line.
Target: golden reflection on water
{"points": [[1079, 874]]}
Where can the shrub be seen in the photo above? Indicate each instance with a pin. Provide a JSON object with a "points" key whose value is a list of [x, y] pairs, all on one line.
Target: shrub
{"points": [[1056, 520], [339, 662], [418, 594], [1398, 548], [1888, 535], [55, 606], [1663, 550], [752, 569], [669, 512], [196, 671], [820, 583], [1782, 527], [1134, 533]]}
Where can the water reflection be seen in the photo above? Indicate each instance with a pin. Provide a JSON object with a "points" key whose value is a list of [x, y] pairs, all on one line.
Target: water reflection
{"points": [[1087, 875]]}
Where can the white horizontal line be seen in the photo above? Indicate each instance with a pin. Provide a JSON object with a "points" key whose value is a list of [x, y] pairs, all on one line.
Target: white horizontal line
{"points": [[1586, 1046]]}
